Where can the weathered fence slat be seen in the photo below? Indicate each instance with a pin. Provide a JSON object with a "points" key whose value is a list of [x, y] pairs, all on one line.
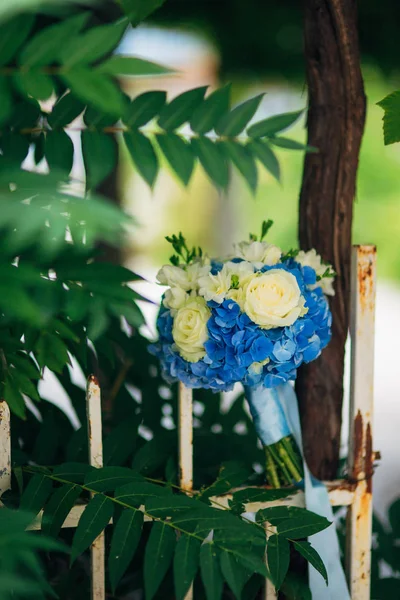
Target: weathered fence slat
{"points": [[360, 462], [185, 441], [97, 550], [5, 448]]}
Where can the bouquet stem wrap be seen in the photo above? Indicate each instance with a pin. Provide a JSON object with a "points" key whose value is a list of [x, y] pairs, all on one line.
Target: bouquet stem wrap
{"points": [[276, 417]]}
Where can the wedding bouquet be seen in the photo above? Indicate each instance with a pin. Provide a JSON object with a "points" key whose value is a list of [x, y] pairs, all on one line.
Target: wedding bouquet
{"points": [[251, 318]]}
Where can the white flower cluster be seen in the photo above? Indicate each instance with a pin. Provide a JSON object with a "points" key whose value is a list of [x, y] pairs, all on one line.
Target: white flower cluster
{"points": [[270, 299]]}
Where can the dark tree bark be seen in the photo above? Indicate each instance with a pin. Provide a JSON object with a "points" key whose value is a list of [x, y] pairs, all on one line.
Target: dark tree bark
{"points": [[335, 126]]}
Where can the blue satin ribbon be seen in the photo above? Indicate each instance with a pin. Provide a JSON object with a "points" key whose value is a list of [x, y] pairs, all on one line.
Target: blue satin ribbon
{"points": [[275, 413]]}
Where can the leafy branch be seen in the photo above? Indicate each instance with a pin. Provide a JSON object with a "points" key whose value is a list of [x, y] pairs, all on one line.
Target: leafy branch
{"points": [[192, 517]]}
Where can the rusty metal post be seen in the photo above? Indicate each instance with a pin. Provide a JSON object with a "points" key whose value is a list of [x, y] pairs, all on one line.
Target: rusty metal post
{"points": [[360, 462], [185, 440], [5, 448], [97, 550]]}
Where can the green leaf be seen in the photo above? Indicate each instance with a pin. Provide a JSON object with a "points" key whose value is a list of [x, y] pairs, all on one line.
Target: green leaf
{"points": [[243, 160], [233, 123], [95, 88], [26, 386], [210, 111], [210, 572], [13, 34], [39, 142], [259, 495], [278, 555], [139, 492], [120, 443], [304, 526], [186, 564], [213, 160], [125, 539], [34, 83], [138, 10], [36, 493], [143, 155], [5, 100], [107, 479], [277, 514], [45, 46], [391, 117], [167, 505], [231, 474], [154, 454], [93, 521], [59, 151], [96, 119], [14, 398], [266, 156], [15, 147], [282, 142], [51, 352], [72, 471], [179, 155], [92, 45], [272, 125], [312, 556], [25, 114], [235, 574], [131, 65], [58, 508], [180, 109], [143, 108], [65, 110], [157, 557], [99, 156]]}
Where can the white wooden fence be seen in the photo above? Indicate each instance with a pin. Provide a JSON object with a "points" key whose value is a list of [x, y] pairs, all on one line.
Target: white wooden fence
{"points": [[354, 492]]}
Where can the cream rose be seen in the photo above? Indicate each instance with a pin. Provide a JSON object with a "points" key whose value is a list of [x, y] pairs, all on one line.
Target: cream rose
{"points": [[189, 330], [273, 299]]}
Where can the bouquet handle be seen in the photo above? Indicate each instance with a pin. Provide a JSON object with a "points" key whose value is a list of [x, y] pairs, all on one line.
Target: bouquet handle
{"points": [[276, 415]]}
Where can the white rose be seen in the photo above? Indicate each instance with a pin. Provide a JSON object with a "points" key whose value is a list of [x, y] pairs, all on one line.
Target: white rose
{"points": [[189, 330], [174, 298], [273, 299], [174, 277], [259, 253], [313, 260]]}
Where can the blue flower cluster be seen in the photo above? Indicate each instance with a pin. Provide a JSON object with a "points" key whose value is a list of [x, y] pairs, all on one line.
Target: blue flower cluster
{"points": [[238, 350]]}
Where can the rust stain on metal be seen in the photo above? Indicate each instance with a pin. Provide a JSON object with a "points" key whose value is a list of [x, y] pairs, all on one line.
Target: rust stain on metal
{"points": [[93, 379], [369, 459], [366, 259], [358, 446]]}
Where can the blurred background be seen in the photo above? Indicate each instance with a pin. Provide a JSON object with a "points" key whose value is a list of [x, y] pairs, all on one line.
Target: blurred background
{"points": [[208, 44], [258, 48]]}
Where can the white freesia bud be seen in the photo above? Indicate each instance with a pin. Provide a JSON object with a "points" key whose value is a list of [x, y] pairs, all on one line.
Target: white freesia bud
{"points": [[314, 260], [173, 276], [174, 298], [190, 329], [273, 299], [259, 253]]}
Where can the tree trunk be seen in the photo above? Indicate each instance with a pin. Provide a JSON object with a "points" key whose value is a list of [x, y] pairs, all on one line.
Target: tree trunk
{"points": [[335, 126]]}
